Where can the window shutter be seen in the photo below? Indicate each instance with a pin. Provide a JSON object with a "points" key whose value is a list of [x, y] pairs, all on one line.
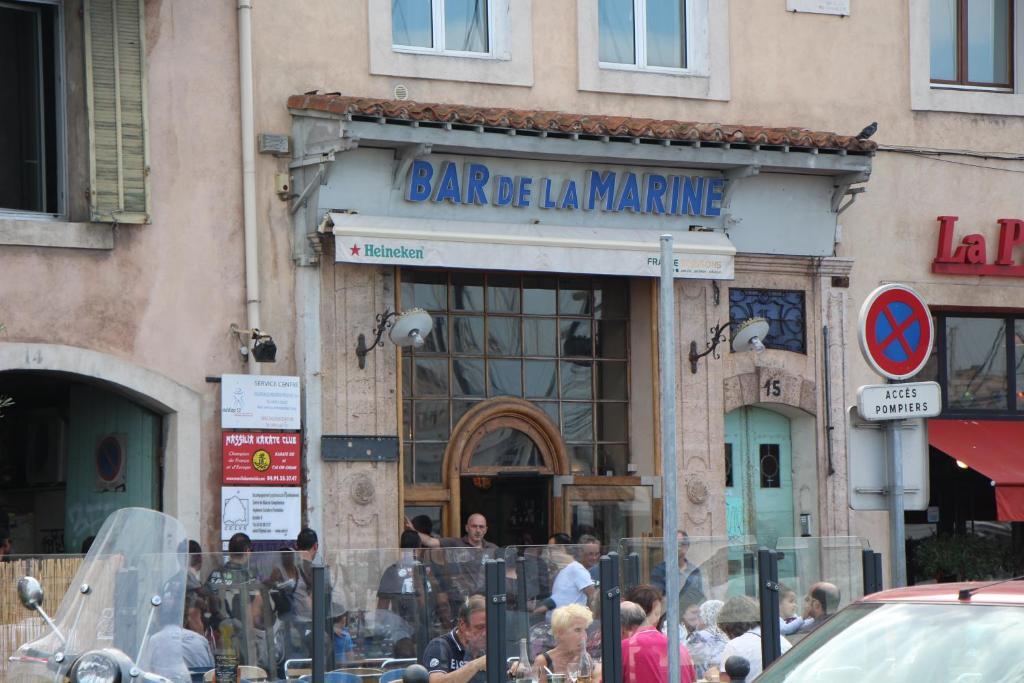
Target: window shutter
{"points": [[115, 81]]}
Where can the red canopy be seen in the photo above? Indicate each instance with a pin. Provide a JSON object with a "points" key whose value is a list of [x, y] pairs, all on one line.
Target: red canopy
{"points": [[993, 447]]}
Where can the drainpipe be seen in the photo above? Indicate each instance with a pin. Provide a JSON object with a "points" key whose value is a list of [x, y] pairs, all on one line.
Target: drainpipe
{"points": [[252, 269]]}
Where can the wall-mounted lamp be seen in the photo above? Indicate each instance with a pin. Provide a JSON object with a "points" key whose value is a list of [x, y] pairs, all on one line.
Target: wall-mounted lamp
{"points": [[748, 337], [264, 350], [406, 329]]}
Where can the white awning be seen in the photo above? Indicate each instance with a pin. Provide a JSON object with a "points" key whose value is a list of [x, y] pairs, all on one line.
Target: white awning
{"points": [[401, 241]]}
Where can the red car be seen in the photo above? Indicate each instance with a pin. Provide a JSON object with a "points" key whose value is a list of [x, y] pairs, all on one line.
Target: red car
{"points": [[942, 633]]}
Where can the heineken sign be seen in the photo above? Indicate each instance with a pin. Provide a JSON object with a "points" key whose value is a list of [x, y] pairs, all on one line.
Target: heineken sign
{"points": [[370, 250], [587, 190]]}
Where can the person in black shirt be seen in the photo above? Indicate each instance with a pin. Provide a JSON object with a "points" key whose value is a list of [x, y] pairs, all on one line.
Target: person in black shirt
{"points": [[450, 658]]}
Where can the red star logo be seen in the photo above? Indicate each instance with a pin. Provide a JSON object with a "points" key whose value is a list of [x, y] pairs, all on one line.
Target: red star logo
{"points": [[355, 250]]}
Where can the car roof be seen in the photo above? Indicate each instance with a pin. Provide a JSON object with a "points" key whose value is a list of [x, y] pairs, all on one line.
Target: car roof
{"points": [[982, 592]]}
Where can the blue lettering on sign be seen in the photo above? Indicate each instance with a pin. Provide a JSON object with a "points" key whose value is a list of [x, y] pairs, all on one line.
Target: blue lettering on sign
{"points": [[419, 181], [569, 199], [522, 191], [478, 175], [448, 187], [655, 202], [716, 190], [503, 192], [600, 186], [654, 194], [629, 195], [547, 202], [693, 196]]}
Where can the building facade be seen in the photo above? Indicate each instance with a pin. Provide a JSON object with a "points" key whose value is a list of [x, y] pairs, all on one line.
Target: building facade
{"points": [[521, 211]]}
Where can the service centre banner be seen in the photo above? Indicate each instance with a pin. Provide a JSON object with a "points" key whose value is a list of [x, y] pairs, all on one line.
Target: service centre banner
{"points": [[261, 458]]}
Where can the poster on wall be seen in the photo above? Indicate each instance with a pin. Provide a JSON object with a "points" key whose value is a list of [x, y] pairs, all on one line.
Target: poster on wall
{"points": [[264, 513], [838, 7], [261, 458], [259, 402]]}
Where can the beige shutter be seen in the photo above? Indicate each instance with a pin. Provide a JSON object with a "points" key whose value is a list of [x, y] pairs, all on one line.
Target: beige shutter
{"points": [[115, 54]]}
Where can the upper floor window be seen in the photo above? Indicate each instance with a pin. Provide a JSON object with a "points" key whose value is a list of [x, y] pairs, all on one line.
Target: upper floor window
{"points": [[783, 309], [443, 26], [972, 43], [979, 362], [74, 113], [30, 176], [643, 33]]}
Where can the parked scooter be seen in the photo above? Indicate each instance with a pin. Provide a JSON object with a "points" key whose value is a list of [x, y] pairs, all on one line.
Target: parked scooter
{"points": [[121, 619]]}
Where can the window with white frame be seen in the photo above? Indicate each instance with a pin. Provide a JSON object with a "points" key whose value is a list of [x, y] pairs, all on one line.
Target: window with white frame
{"points": [[972, 43], [441, 26], [967, 56], [646, 34], [666, 48]]}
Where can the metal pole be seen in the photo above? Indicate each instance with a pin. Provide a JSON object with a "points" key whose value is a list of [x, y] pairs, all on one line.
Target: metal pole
{"points": [[522, 597], [878, 571], [897, 532], [424, 613], [494, 588], [611, 619], [670, 512], [868, 571], [768, 575], [632, 570], [319, 623]]}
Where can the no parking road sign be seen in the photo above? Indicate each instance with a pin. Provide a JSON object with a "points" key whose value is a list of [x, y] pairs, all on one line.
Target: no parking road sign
{"points": [[896, 331]]}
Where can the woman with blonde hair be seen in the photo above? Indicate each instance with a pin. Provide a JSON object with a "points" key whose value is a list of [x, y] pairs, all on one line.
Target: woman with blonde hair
{"points": [[569, 628]]}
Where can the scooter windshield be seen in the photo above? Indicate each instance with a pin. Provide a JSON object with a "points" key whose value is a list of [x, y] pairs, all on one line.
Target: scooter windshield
{"points": [[127, 596]]}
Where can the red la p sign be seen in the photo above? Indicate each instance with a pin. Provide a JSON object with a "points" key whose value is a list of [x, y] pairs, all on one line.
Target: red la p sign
{"points": [[970, 257]]}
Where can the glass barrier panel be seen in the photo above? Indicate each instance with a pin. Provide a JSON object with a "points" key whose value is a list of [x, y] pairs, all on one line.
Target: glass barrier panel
{"points": [[539, 581], [819, 576], [711, 567], [388, 605]]}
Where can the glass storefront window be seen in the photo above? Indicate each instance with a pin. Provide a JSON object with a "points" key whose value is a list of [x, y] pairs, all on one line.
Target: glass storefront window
{"points": [[562, 343], [1018, 361], [976, 363], [610, 511]]}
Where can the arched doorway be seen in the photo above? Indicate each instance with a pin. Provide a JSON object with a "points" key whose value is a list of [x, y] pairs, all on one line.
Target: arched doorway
{"points": [[501, 462], [759, 475], [177, 406], [73, 450]]}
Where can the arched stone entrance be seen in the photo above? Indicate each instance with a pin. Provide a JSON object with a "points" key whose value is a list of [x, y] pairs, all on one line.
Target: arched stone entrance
{"points": [[178, 408], [500, 443]]}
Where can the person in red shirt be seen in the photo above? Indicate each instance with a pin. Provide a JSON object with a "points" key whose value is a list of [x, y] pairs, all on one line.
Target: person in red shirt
{"points": [[645, 653]]}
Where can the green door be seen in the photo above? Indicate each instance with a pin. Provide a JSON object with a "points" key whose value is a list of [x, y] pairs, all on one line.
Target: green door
{"points": [[112, 460], [759, 475]]}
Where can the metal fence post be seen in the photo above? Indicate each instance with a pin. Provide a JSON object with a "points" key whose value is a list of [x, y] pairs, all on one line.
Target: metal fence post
{"points": [[521, 600], [632, 578], [494, 575], [768, 574], [868, 572], [611, 619], [320, 606], [879, 576], [425, 617]]}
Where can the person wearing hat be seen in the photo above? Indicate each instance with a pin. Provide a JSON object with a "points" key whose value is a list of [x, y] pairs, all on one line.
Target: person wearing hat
{"points": [[740, 620]]}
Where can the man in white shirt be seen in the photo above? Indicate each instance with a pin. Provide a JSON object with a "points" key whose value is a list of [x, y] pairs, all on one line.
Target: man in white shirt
{"points": [[574, 583], [740, 619]]}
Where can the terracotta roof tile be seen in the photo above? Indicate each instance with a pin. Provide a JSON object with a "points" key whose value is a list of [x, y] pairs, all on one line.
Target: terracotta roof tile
{"points": [[583, 124]]}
